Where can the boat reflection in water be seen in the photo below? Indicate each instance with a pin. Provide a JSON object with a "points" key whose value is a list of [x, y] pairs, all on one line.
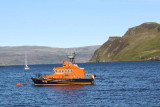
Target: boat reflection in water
{"points": [[67, 87]]}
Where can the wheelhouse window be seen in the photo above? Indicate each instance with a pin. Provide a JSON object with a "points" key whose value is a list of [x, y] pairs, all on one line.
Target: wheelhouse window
{"points": [[63, 70]]}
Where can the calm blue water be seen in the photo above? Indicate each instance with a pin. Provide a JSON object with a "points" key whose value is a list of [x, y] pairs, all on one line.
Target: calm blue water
{"points": [[118, 84]]}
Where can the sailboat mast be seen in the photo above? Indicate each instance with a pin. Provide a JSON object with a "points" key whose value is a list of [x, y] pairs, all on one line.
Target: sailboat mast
{"points": [[25, 58], [26, 66]]}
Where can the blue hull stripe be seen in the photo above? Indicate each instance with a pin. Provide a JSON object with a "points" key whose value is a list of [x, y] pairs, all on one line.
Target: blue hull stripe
{"points": [[61, 81]]}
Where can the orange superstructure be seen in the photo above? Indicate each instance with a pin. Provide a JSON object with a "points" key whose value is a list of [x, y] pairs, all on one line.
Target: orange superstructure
{"points": [[67, 71]]}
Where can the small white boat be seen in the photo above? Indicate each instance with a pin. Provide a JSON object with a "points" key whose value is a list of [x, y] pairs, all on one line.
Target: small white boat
{"points": [[26, 67]]}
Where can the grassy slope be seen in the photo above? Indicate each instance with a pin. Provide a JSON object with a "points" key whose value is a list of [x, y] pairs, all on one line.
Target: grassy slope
{"points": [[143, 45], [143, 42]]}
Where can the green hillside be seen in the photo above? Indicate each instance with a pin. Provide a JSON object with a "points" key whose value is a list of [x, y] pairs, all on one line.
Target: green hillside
{"points": [[139, 43]]}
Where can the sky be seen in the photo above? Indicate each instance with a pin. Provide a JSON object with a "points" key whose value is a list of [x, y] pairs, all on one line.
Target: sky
{"points": [[71, 23]]}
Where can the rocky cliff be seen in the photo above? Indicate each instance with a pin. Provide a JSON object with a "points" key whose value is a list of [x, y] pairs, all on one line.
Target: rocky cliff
{"points": [[138, 43]]}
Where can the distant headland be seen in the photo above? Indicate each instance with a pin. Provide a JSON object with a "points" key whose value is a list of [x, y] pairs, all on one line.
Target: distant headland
{"points": [[42, 55]]}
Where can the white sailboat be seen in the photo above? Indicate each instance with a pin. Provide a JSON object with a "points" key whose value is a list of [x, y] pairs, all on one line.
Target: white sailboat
{"points": [[26, 67]]}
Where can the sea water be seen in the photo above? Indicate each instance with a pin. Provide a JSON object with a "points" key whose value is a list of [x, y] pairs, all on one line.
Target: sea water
{"points": [[118, 84]]}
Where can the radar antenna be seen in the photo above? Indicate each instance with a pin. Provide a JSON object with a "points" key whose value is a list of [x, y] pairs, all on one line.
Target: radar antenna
{"points": [[72, 57]]}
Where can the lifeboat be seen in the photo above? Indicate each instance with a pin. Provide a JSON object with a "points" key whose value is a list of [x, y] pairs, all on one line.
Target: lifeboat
{"points": [[70, 73]]}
